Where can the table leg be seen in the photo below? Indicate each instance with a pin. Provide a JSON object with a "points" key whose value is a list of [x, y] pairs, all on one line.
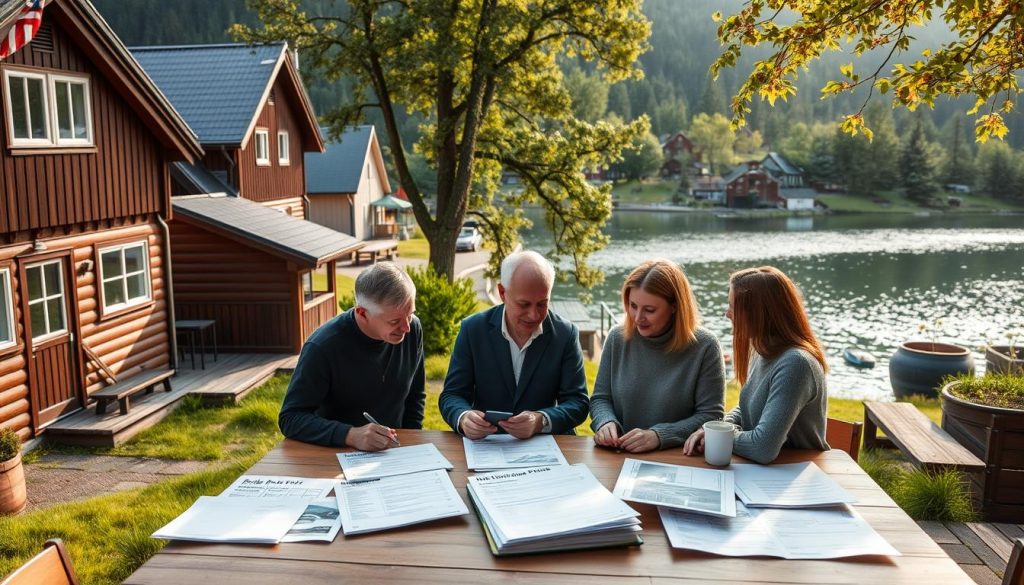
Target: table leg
{"points": [[213, 329], [202, 348]]}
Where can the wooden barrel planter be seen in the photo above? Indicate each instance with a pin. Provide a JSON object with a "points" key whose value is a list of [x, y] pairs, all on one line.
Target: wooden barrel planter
{"points": [[996, 436], [998, 360], [918, 367], [13, 496]]}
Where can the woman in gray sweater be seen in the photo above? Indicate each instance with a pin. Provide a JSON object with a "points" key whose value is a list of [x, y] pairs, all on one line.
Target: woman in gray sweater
{"points": [[661, 376], [781, 365]]}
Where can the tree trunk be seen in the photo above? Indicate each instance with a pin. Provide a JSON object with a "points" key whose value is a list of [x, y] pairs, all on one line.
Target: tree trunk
{"points": [[442, 249]]}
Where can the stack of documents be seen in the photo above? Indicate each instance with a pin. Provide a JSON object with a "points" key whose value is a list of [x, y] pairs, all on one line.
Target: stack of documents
{"points": [[543, 509], [705, 491], [396, 487], [260, 509], [507, 452]]}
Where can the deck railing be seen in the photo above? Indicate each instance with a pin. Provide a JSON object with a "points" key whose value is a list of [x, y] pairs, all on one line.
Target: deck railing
{"points": [[607, 315]]}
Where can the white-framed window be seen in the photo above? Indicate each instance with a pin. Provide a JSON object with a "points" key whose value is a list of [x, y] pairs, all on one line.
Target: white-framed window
{"points": [[315, 283], [124, 272], [46, 306], [48, 110], [7, 310], [262, 138], [283, 154]]}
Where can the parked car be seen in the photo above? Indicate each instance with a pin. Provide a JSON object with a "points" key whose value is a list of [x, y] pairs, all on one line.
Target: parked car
{"points": [[469, 239]]}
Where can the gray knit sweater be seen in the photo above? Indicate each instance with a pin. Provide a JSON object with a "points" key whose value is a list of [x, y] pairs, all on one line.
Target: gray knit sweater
{"points": [[783, 404], [640, 385]]}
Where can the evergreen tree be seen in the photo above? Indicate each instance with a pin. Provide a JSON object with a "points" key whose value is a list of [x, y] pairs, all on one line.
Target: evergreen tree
{"points": [[959, 168], [999, 170], [669, 117], [618, 101], [712, 101], [916, 168]]}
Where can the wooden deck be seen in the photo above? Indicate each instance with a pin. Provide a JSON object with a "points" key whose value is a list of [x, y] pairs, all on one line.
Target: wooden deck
{"points": [[228, 379], [981, 549]]}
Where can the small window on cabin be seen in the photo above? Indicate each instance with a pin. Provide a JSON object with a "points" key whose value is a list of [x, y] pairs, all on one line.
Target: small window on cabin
{"points": [[262, 147], [283, 154], [315, 283], [124, 272], [48, 110], [71, 104], [7, 310]]}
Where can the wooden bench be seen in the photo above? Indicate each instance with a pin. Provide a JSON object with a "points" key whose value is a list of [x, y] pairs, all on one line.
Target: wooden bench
{"points": [[921, 440], [136, 381], [374, 250]]}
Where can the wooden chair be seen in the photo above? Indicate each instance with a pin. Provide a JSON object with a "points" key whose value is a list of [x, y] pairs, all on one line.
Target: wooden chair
{"points": [[1014, 574], [50, 567], [844, 436]]}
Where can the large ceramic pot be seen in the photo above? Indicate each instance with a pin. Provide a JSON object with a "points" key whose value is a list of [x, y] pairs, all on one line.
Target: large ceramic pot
{"points": [[996, 436], [918, 367], [13, 496], [998, 360]]}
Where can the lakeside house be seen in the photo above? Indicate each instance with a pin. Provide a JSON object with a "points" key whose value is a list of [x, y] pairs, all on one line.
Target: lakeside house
{"points": [[677, 150], [771, 182], [86, 144], [345, 181], [243, 251]]}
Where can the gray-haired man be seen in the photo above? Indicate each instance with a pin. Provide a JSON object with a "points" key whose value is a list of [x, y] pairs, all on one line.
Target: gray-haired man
{"points": [[368, 359]]}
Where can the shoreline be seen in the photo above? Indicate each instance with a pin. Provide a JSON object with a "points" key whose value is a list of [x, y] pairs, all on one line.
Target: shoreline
{"points": [[728, 212]]}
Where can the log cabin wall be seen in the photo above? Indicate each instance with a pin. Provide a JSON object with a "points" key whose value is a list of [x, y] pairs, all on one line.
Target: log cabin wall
{"points": [[273, 181], [293, 206], [120, 176], [137, 336], [246, 291]]}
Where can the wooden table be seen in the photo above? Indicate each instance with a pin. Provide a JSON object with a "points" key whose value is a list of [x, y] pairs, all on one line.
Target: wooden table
{"points": [[454, 550], [197, 327]]}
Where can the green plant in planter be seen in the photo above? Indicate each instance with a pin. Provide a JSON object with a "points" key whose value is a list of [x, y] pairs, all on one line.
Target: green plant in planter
{"points": [[10, 444], [998, 390]]}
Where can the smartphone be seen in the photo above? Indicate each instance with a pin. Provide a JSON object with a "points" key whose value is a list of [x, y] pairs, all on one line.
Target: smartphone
{"points": [[494, 416]]}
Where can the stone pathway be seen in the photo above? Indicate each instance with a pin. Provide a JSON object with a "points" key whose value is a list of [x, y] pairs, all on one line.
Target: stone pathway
{"points": [[981, 549], [57, 478]]}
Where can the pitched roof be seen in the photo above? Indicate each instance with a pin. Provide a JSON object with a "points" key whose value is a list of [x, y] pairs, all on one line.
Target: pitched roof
{"points": [[197, 180], [797, 193], [296, 240], [774, 160], [220, 89], [339, 168], [120, 68]]}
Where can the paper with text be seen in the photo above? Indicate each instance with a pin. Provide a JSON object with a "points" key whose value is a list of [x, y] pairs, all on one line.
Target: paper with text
{"points": [[793, 485], [707, 491], [399, 500], [507, 452], [364, 466], [279, 486], [241, 520]]}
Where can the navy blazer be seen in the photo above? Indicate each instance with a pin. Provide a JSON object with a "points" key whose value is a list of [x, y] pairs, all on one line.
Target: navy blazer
{"points": [[480, 373]]}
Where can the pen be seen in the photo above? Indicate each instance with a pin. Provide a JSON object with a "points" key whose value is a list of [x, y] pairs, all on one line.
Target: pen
{"points": [[394, 437]]}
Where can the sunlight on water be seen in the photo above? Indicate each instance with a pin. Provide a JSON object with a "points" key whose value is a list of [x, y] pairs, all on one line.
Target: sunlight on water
{"points": [[868, 282]]}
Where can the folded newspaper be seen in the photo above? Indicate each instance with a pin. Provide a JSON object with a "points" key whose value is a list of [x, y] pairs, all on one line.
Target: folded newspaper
{"points": [[545, 509]]}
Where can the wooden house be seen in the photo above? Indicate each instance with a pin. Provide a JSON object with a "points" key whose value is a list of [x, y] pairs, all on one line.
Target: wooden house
{"points": [[343, 182], [243, 252], [680, 155], [251, 113], [86, 140], [266, 278], [749, 185]]}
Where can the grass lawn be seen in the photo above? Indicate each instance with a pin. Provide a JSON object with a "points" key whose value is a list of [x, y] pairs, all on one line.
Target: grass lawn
{"points": [[647, 191], [414, 248], [108, 536]]}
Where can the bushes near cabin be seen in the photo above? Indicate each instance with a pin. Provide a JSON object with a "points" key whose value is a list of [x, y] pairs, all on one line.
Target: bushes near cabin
{"points": [[441, 307]]}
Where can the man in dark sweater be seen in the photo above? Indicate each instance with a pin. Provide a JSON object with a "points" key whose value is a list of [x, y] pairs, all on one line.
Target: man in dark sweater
{"points": [[368, 359]]}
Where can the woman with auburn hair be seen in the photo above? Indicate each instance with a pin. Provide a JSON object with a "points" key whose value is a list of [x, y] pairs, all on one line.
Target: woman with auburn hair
{"points": [[661, 375], [780, 364]]}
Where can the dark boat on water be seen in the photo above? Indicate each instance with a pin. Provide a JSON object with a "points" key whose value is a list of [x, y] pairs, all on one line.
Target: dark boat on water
{"points": [[858, 358]]}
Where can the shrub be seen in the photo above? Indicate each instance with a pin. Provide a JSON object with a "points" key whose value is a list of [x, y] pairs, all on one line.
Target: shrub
{"points": [[441, 307], [10, 444], [941, 496], [999, 390], [346, 301]]}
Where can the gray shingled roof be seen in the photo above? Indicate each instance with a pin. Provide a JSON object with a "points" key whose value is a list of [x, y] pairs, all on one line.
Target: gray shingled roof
{"points": [[574, 311], [297, 240], [798, 193], [196, 180], [216, 88], [338, 169], [782, 163]]}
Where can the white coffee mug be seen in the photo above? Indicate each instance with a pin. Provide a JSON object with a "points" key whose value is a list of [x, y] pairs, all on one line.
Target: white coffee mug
{"points": [[718, 442]]}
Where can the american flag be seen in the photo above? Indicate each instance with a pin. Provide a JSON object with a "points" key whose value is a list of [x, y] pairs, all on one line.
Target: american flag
{"points": [[23, 29]]}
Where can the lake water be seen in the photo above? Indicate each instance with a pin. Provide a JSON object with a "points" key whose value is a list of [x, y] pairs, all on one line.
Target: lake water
{"points": [[869, 281]]}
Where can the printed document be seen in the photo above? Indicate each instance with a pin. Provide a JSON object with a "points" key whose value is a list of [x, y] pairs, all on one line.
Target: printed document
{"points": [[539, 503], [707, 491], [398, 500], [278, 486], [363, 466], [787, 533], [507, 452], [241, 520], [319, 523], [795, 485]]}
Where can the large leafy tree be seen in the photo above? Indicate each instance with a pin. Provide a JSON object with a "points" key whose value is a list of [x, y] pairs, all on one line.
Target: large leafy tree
{"points": [[484, 76], [981, 63], [715, 139]]}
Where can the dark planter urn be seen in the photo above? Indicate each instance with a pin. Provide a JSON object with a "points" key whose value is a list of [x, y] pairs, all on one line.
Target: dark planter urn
{"points": [[918, 367], [998, 360], [996, 436]]}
